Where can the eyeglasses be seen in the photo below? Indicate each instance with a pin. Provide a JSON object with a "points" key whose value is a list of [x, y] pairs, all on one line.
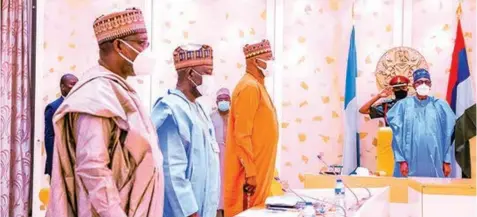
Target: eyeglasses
{"points": [[142, 43]]}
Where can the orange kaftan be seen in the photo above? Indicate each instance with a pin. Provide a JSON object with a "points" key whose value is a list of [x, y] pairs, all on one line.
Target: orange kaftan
{"points": [[251, 144]]}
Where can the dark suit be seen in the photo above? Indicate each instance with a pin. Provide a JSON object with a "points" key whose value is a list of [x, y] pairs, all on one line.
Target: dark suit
{"points": [[50, 133]]}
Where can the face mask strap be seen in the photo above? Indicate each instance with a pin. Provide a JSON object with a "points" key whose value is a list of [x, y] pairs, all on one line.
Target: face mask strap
{"points": [[256, 64], [125, 58], [190, 79], [130, 46]]}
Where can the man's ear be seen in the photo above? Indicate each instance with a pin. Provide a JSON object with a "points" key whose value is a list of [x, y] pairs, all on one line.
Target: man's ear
{"points": [[189, 72], [117, 46]]}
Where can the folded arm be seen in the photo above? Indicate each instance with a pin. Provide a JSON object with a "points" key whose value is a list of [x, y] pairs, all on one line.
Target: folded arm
{"points": [[92, 135], [366, 108]]}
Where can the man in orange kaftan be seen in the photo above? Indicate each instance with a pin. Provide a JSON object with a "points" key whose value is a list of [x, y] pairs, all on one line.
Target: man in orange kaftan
{"points": [[252, 136]]}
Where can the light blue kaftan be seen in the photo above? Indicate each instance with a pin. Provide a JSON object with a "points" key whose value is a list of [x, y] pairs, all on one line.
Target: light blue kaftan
{"points": [[422, 131], [191, 156]]}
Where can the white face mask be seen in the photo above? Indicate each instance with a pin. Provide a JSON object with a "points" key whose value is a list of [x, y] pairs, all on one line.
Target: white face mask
{"points": [[423, 90], [144, 63], [270, 67], [206, 88]]}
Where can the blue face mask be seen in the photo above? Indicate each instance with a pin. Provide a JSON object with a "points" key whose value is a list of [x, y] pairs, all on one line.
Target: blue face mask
{"points": [[224, 106]]}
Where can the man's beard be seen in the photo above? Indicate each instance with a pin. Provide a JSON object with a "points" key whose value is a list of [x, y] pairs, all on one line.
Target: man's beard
{"points": [[195, 92]]}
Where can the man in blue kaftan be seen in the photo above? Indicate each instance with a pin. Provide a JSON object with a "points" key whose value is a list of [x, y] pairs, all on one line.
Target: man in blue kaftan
{"points": [[422, 128], [187, 138]]}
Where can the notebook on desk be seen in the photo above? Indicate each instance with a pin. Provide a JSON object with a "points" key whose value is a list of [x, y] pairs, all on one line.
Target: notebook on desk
{"points": [[286, 201]]}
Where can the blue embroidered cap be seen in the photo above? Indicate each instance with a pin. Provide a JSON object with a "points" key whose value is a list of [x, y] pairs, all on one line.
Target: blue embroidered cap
{"points": [[421, 73]]}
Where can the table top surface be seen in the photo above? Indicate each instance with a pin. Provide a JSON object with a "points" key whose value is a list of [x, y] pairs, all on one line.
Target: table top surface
{"points": [[443, 186], [326, 194], [444, 181]]}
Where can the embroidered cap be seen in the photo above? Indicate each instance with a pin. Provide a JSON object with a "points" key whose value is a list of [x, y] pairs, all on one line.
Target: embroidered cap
{"points": [[421, 73], [191, 55], [119, 25], [252, 50]]}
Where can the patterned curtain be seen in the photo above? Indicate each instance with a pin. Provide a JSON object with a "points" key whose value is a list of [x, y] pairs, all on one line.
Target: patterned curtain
{"points": [[15, 109]]}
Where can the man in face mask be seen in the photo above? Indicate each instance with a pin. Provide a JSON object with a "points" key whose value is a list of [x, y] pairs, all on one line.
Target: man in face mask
{"points": [[106, 161], [220, 119], [422, 128], [397, 85], [187, 137], [252, 135]]}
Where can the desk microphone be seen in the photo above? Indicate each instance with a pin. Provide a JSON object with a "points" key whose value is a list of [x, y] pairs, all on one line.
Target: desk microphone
{"points": [[339, 176], [288, 189], [296, 194], [330, 203], [315, 199]]}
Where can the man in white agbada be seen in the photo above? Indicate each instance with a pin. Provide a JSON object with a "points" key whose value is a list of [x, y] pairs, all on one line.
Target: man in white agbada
{"points": [[106, 161]]}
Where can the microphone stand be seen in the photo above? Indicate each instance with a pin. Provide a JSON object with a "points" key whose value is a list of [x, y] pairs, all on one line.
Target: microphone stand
{"points": [[333, 204], [315, 199], [344, 183]]}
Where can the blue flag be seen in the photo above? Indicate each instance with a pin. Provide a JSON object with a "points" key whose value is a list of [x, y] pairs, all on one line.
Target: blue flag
{"points": [[351, 141]]}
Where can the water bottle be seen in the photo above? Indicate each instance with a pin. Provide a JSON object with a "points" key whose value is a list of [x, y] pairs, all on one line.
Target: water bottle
{"points": [[309, 210], [340, 197]]}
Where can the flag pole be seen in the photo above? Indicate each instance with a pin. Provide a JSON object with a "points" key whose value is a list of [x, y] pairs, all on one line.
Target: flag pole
{"points": [[458, 12], [352, 13]]}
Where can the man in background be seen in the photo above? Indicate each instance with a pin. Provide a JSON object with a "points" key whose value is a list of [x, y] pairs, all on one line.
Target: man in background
{"points": [[106, 161], [220, 119], [67, 82], [398, 86], [422, 128], [252, 135], [187, 138]]}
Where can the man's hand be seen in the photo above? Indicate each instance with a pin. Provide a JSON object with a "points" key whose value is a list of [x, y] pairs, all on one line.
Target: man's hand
{"points": [[446, 167], [403, 167], [195, 215], [386, 92], [250, 185]]}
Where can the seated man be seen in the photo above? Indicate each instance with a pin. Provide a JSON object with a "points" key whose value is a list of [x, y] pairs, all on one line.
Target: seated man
{"points": [[422, 129], [397, 85]]}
